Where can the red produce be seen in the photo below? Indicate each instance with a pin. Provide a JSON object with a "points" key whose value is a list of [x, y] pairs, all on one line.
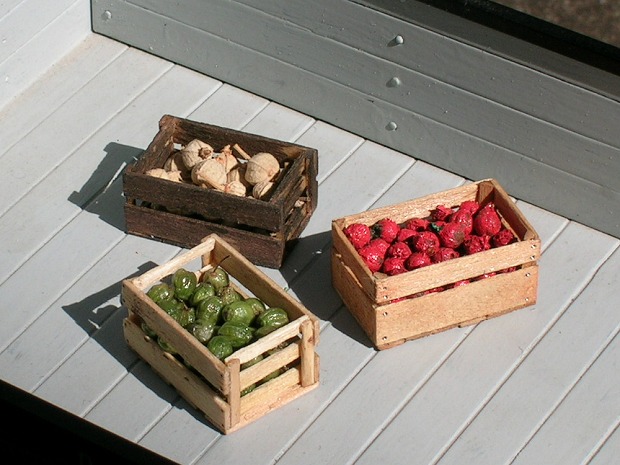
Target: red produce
{"points": [[441, 213], [393, 266], [443, 254], [405, 234], [358, 234], [372, 257], [465, 219], [503, 237], [399, 250], [417, 260], [474, 244], [470, 206], [452, 235], [460, 283], [427, 242], [380, 244], [417, 224], [386, 229], [487, 221]]}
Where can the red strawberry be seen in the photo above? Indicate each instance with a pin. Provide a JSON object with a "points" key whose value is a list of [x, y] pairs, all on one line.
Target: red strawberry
{"points": [[460, 283], [441, 213], [393, 266], [358, 234], [427, 242], [417, 260], [452, 235], [465, 219], [405, 234], [386, 229], [443, 254], [474, 244], [487, 221], [372, 257], [380, 244], [417, 224], [470, 206], [399, 249], [503, 237]]}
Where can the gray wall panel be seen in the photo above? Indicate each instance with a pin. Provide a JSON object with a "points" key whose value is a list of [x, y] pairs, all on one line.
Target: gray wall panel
{"points": [[300, 58]]}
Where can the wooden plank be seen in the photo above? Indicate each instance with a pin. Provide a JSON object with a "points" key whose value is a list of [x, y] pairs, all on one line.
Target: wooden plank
{"points": [[584, 416], [609, 449], [582, 330], [94, 164], [453, 397], [45, 47], [497, 123]]}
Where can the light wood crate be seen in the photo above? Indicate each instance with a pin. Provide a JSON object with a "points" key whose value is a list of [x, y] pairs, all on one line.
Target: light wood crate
{"points": [[215, 386], [376, 299]]}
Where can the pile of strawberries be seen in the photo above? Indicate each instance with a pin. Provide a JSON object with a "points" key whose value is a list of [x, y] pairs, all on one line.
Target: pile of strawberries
{"points": [[447, 233]]}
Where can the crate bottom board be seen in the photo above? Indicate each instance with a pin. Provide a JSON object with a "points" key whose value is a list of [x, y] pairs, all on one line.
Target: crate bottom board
{"points": [[264, 399], [392, 324], [261, 249]]}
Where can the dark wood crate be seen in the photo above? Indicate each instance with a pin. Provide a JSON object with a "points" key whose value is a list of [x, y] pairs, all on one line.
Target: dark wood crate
{"points": [[182, 214]]}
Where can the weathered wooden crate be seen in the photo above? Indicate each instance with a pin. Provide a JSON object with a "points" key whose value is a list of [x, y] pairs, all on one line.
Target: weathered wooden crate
{"points": [[262, 230], [391, 310], [213, 386]]}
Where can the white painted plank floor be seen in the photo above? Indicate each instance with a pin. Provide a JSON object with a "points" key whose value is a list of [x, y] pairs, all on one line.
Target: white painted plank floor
{"points": [[537, 386]]}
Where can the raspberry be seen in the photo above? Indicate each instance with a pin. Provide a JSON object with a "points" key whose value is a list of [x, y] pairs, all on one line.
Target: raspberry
{"points": [[503, 237], [417, 260], [486, 221], [452, 235], [427, 242], [393, 266], [372, 257], [358, 234], [386, 229], [399, 250]]}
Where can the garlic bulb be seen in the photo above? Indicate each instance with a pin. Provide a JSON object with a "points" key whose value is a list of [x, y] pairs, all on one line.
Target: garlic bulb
{"points": [[235, 188], [262, 167], [209, 172], [262, 190]]}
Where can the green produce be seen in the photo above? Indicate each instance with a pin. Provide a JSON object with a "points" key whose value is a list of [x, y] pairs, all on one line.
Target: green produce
{"points": [[160, 291], [220, 346], [186, 316], [210, 309], [239, 334], [239, 311], [251, 362], [147, 330], [257, 305], [202, 291], [274, 317], [172, 307], [262, 331], [218, 277], [228, 294], [203, 331], [184, 283], [166, 347], [248, 389]]}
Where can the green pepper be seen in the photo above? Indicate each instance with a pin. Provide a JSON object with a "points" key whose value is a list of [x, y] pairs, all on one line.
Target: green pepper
{"points": [[147, 330], [186, 316], [220, 346], [159, 292], [166, 347], [274, 317], [240, 335], [210, 309], [252, 361], [248, 389], [172, 307], [262, 331], [202, 291], [240, 311], [184, 283]]}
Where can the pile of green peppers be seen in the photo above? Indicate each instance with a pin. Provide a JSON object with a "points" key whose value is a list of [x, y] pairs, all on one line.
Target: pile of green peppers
{"points": [[212, 310]]}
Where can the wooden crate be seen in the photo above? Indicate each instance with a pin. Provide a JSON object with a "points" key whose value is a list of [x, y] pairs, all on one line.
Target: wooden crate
{"points": [[262, 230], [213, 386], [383, 305]]}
